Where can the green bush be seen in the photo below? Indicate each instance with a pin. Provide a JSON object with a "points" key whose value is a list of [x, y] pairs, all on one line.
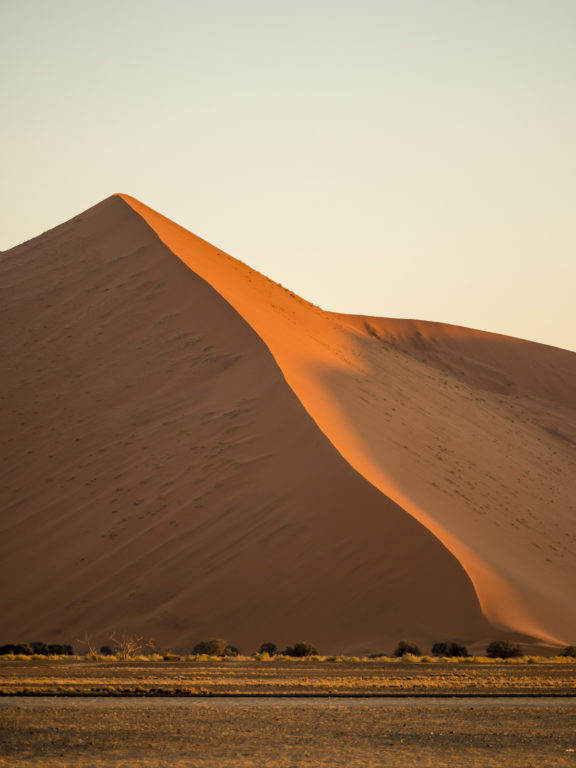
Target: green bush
{"points": [[215, 647], [569, 651], [450, 650], [300, 650], [503, 649], [407, 647]]}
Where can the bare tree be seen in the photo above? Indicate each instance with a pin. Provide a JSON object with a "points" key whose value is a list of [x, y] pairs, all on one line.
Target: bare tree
{"points": [[87, 642], [128, 646]]}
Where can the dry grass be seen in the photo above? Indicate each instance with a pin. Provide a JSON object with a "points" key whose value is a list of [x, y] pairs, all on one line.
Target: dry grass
{"points": [[281, 659], [205, 676]]}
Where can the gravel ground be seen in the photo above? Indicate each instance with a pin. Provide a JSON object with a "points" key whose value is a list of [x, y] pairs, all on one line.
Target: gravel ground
{"points": [[258, 733]]}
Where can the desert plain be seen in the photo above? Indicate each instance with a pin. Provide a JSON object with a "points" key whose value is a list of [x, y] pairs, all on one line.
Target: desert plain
{"points": [[245, 712], [287, 713]]}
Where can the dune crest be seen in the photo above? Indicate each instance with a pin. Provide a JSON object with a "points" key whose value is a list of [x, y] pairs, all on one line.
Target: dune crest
{"points": [[472, 433]]}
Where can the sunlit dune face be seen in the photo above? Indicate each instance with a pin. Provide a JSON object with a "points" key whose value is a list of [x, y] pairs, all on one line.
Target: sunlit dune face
{"points": [[455, 425]]}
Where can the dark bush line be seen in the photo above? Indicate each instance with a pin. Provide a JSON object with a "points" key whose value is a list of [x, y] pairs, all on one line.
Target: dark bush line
{"points": [[223, 648], [41, 649], [498, 649]]}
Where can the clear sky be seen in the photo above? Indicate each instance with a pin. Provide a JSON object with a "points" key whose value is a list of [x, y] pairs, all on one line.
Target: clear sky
{"points": [[408, 158]]}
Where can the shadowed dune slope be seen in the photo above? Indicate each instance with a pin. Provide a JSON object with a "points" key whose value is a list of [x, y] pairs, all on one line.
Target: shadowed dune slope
{"points": [[159, 475], [472, 433]]}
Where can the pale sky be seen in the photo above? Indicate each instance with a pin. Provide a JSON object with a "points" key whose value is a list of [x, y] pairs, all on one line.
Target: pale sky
{"points": [[414, 158]]}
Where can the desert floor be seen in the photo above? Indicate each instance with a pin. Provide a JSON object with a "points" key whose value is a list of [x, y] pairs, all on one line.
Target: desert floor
{"points": [[279, 677], [177, 732]]}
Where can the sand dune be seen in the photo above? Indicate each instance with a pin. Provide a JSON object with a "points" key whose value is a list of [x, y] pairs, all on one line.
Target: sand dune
{"points": [[191, 450]]}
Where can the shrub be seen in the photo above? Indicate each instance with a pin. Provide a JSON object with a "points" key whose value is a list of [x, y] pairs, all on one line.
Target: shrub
{"points": [[450, 650], [40, 649], [440, 649], [8, 649], [106, 650], [215, 647], [57, 649], [36, 649], [569, 651], [300, 650], [269, 648], [21, 649], [405, 646], [502, 649]]}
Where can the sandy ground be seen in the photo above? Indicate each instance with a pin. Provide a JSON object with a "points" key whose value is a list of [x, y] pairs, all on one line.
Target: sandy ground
{"points": [[407, 733]]}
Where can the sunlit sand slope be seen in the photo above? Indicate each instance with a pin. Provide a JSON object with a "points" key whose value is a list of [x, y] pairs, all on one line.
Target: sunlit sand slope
{"points": [[160, 476], [473, 434]]}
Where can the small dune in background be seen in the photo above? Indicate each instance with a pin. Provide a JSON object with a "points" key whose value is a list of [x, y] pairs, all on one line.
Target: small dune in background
{"points": [[191, 450]]}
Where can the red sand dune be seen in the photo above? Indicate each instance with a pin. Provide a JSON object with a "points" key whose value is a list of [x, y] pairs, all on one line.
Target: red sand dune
{"points": [[191, 450]]}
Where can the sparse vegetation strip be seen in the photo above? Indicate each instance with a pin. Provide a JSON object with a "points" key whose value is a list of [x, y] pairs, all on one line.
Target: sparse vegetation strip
{"points": [[242, 676], [128, 647]]}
